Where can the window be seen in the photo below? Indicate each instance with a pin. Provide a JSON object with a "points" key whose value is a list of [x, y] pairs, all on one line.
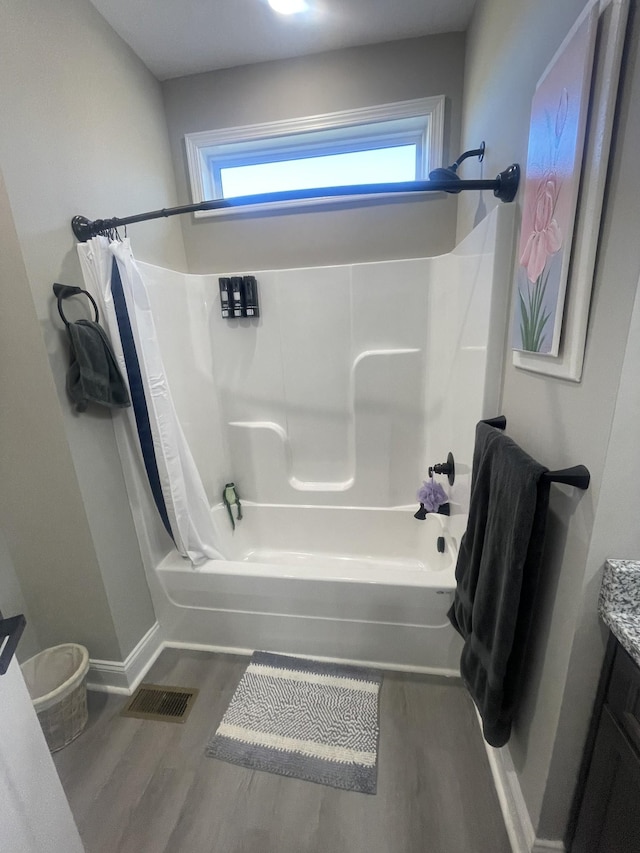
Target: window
{"points": [[389, 143]]}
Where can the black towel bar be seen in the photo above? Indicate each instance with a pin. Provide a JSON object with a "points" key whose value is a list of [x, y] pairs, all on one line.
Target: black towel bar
{"points": [[500, 422], [578, 476]]}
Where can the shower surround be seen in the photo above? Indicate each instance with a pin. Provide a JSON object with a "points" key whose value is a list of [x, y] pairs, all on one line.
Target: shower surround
{"points": [[326, 413]]}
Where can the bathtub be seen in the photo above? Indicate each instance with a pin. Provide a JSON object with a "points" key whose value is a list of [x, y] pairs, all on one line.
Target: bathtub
{"points": [[364, 585]]}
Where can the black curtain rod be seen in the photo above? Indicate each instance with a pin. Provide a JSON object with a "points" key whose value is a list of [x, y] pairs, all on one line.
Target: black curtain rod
{"points": [[504, 186], [578, 476]]}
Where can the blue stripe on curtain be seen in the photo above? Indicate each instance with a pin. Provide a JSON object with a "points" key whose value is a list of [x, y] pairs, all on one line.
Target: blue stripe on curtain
{"points": [[137, 394]]}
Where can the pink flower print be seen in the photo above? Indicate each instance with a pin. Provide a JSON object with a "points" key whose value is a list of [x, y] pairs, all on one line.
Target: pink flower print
{"points": [[546, 237]]}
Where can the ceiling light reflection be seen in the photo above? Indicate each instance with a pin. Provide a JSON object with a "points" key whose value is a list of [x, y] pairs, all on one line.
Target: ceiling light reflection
{"points": [[288, 7]]}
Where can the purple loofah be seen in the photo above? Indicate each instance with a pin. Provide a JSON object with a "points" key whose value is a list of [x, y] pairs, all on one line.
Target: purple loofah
{"points": [[432, 495]]}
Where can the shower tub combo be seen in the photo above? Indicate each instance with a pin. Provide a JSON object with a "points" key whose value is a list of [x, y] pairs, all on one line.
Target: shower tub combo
{"points": [[326, 412]]}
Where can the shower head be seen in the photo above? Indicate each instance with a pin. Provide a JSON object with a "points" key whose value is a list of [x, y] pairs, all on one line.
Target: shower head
{"points": [[445, 174], [450, 173]]}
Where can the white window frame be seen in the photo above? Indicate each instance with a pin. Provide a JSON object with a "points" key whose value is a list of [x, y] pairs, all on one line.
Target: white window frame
{"points": [[202, 147]]}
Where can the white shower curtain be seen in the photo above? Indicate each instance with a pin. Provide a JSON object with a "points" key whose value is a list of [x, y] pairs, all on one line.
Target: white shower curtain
{"points": [[111, 274]]}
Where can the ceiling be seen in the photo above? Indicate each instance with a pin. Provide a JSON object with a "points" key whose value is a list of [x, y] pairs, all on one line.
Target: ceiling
{"points": [[178, 37]]}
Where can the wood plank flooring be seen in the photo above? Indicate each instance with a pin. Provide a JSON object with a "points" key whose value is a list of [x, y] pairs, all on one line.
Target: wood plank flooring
{"points": [[138, 786]]}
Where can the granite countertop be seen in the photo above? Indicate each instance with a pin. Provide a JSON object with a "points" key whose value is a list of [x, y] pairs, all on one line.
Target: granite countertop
{"points": [[619, 603]]}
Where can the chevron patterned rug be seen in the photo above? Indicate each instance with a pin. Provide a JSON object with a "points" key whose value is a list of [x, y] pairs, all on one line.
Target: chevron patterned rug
{"points": [[301, 718]]}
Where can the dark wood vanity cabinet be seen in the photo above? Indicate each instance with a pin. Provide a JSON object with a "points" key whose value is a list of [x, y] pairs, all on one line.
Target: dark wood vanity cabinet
{"points": [[609, 814]]}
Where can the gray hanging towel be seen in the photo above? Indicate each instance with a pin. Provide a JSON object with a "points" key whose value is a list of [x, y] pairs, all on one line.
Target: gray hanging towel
{"points": [[497, 575], [94, 375]]}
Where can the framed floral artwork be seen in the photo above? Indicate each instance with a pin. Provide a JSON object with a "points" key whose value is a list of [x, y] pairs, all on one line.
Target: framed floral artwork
{"points": [[560, 311], [556, 144]]}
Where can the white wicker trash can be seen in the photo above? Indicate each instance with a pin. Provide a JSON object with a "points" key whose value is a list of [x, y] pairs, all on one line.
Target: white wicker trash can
{"points": [[56, 679]]}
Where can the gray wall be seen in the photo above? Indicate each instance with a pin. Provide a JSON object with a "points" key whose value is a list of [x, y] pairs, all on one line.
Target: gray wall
{"points": [[509, 44], [339, 80], [41, 511], [83, 131], [616, 533]]}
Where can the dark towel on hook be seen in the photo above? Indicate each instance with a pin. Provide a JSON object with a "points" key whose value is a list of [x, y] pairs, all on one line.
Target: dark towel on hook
{"points": [[497, 575], [94, 375]]}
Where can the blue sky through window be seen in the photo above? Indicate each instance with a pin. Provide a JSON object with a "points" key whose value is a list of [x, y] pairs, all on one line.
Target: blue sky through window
{"points": [[380, 165]]}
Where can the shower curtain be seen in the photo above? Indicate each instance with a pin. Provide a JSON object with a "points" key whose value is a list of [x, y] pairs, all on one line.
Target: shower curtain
{"points": [[111, 274]]}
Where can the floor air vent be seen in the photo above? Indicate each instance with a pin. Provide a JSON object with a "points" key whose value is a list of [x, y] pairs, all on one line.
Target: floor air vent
{"points": [[159, 702]]}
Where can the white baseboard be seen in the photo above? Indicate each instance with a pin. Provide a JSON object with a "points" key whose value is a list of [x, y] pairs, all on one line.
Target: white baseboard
{"points": [[514, 809], [110, 676], [517, 820]]}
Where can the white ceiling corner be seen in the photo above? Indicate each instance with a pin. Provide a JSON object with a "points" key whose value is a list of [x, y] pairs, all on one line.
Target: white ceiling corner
{"points": [[179, 37]]}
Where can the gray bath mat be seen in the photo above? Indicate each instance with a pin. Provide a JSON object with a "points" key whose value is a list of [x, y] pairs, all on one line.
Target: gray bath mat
{"points": [[300, 718]]}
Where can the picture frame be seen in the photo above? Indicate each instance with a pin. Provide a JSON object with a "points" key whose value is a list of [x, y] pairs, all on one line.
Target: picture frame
{"points": [[605, 22]]}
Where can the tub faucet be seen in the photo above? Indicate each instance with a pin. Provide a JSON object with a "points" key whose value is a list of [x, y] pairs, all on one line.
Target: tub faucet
{"points": [[443, 509]]}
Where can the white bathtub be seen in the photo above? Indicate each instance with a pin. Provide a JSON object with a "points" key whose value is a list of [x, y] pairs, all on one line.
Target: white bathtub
{"points": [[354, 584]]}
